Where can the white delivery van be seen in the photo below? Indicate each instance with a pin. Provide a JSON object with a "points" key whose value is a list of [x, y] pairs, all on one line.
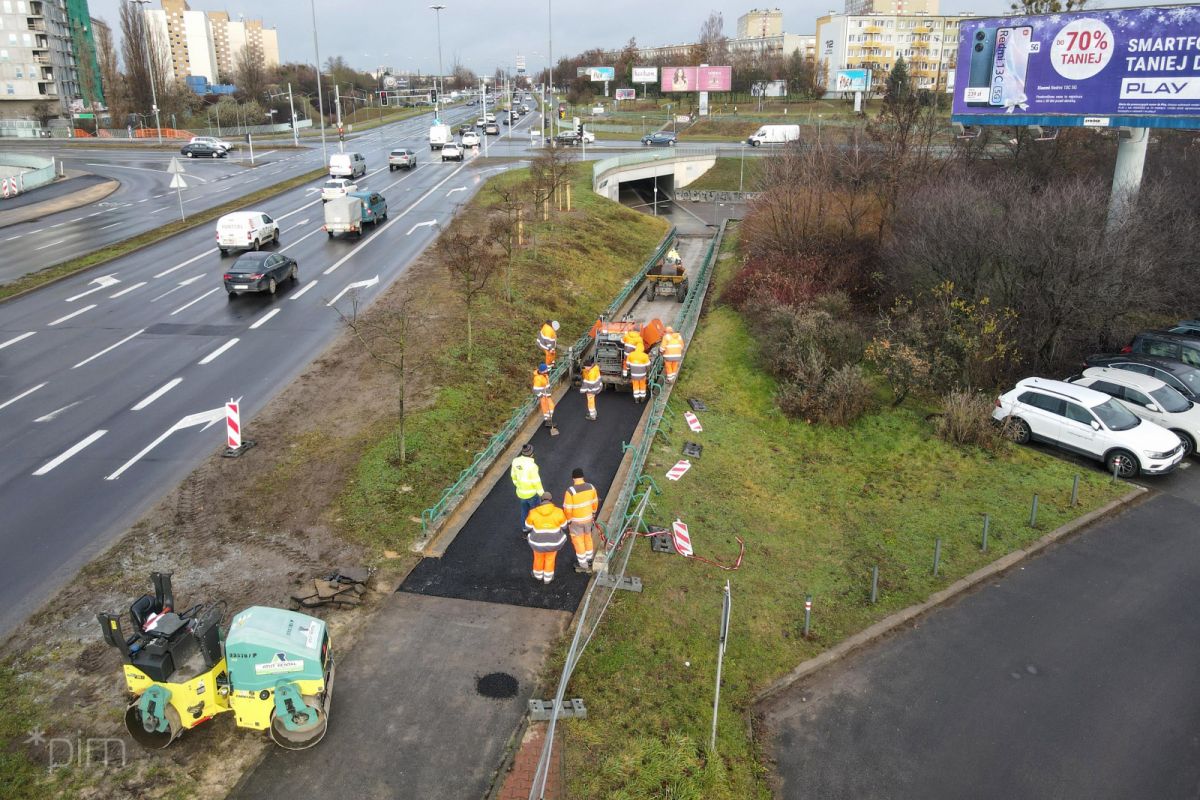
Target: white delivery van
{"points": [[440, 136], [774, 134], [347, 165], [245, 230]]}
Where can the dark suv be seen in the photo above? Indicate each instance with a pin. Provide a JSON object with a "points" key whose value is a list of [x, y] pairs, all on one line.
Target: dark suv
{"points": [[1179, 376], [1178, 346]]}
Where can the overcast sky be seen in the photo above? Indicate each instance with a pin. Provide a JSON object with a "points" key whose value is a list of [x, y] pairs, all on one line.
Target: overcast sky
{"points": [[484, 34]]}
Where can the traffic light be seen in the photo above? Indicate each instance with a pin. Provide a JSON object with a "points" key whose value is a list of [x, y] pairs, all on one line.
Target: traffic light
{"points": [[383, 98], [579, 128], [562, 112]]}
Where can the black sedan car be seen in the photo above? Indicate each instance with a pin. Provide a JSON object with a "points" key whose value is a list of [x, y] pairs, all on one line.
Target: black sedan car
{"points": [[1182, 377], [259, 271], [660, 138], [195, 149]]}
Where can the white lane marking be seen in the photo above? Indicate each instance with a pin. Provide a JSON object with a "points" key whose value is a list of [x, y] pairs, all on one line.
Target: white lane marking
{"points": [[144, 200], [150, 398], [94, 214], [182, 283], [55, 462], [297, 225], [191, 260], [115, 224], [72, 314], [43, 247], [16, 339], [57, 225], [456, 189], [25, 393], [296, 295], [215, 354], [159, 195], [159, 210], [109, 348], [11, 238], [191, 176], [355, 285], [203, 418], [193, 302], [50, 417], [127, 290], [102, 283], [421, 225], [263, 319], [302, 238], [398, 217]]}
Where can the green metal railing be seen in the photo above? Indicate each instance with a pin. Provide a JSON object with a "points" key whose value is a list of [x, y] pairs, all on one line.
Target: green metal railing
{"points": [[503, 438]]}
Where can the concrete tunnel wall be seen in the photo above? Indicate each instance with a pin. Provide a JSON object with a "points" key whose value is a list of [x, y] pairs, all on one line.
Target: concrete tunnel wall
{"points": [[680, 170]]}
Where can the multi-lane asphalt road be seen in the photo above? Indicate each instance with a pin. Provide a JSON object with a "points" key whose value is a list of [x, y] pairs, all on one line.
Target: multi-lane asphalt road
{"points": [[112, 384]]}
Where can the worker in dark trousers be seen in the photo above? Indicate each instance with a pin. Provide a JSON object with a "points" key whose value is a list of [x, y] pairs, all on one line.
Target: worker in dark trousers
{"points": [[580, 503], [544, 532], [527, 481]]}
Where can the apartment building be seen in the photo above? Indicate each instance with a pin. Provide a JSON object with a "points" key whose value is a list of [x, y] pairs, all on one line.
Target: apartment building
{"points": [[892, 7], [783, 44], [928, 43], [208, 43], [760, 23], [37, 60]]}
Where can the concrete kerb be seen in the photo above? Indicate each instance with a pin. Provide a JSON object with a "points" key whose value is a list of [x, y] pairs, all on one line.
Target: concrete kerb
{"points": [[939, 598], [92, 194]]}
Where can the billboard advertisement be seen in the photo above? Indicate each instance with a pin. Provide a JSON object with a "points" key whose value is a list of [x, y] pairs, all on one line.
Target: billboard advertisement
{"points": [[852, 80], [626, 94], [697, 79], [768, 89], [597, 74], [1138, 67], [645, 74]]}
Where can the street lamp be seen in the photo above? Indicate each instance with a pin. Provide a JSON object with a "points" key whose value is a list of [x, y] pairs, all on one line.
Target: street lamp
{"points": [[550, 59], [320, 100], [437, 105], [150, 65]]}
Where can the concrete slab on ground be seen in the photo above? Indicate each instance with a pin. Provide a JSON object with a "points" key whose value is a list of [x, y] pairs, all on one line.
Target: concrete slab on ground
{"points": [[407, 720]]}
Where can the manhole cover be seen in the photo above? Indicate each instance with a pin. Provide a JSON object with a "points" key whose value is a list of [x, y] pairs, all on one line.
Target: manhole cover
{"points": [[497, 685]]}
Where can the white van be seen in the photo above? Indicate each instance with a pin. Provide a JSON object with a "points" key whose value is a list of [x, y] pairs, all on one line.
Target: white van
{"points": [[347, 165], [245, 230], [774, 134]]}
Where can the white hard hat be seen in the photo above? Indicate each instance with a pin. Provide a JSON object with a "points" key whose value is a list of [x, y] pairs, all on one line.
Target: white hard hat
{"points": [[554, 324]]}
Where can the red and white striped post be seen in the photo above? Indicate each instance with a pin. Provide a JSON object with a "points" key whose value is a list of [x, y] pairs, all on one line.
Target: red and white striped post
{"points": [[235, 445]]}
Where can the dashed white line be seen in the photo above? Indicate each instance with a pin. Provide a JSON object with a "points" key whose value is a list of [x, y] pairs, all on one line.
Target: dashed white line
{"points": [[143, 200], [191, 260], [296, 295], [197, 300], [57, 225], [127, 290], [109, 348], [49, 417], [16, 339], [72, 314], [302, 238], [150, 398], [215, 354], [11, 238], [160, 210], [25, 393], [115, 224], [43, 247], [263, 319], [60, 459]]}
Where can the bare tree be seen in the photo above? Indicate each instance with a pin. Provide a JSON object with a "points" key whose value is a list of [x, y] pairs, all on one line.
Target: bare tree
{"points": [[116, 89], [385, 335], [713, 46], [469, 260], [144, 54], [505, 227], [549, 172], [251, 70]]}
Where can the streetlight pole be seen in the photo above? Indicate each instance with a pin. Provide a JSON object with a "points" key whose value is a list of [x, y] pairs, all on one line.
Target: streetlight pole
{"points": [[550, 59], [742, 169], [150, 66], [437, 105], [320, 100], [292, 106]]}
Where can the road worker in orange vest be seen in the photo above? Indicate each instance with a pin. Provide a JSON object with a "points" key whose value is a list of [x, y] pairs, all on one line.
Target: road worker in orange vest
{"points": [[631, 340], [672, 353], [639, 372], [544, 532], [547, 339], [591, 386], [581, 502], [541, 390]]}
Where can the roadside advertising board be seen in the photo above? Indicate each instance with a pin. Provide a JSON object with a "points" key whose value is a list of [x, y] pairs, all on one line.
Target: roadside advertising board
{"points": [[852, 80], [645, 74], [697, 79], [626, 94]]}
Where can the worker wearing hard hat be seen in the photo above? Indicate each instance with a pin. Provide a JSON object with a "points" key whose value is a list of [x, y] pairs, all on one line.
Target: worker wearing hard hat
{"points": [[591, 386], [672, 353], [547, 339], [631, 340], [527, 481], [544, 532], [639, 372], [581, 502], [541, 390]]}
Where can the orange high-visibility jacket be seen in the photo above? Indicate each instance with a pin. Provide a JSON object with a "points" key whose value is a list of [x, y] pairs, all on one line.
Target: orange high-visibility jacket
{"points": [[639, 365], [581, 502], [591, 380], [547, 338], [541, 384], [632, 340], [672, 347], [544, 526]]}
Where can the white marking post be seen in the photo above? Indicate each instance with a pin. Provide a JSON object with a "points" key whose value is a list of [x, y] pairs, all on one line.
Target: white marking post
{"points": [[693, 422], [682, 538], [676, 472], [235, 445]]}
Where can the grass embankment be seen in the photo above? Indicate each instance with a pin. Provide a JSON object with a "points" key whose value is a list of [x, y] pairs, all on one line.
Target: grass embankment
{"points": [[730, 175], [569, 270], [818, 508], [109, 252]]}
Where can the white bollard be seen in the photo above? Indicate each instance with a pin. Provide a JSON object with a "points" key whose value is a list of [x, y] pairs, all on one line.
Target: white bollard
{"points": [[233, 426]]}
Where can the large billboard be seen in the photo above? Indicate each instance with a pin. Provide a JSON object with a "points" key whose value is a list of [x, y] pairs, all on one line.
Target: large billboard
{"points": [[1136, 67], [852, 80], [697, 79], [645, 74], [626, 94], [597, 74], [768, 89]]}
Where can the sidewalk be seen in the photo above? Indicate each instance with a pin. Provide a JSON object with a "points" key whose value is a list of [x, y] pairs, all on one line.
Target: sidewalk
{"points": [[78, 189]]}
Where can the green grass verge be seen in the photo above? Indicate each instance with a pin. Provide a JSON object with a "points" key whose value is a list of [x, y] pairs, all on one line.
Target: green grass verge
{"points": [[570, 269], [728, 174], [109, 252], [818, 508]]}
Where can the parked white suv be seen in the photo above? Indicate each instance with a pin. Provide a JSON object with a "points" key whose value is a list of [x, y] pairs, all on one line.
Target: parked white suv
{"points": [[1150, 399], [246, 230], [214, 141], [1090, 423]]}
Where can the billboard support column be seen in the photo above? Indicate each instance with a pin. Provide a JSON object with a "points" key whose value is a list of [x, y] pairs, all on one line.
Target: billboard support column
{"points": [[858, 102], [1127, 174]]}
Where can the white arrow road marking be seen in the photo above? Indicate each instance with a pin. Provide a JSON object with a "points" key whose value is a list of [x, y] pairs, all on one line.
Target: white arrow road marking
{"points": [[205, 418], [215, 354], [183, 283], [16, 339], [193, 302], [72, 314], [296, 295], [150, 398], [263, 319], [355, 285], [103, 282], [25, 393], [456, 189], [421, 225], [49, 417], [55, 462], [191, 260], [109, 348], [126, 290]]}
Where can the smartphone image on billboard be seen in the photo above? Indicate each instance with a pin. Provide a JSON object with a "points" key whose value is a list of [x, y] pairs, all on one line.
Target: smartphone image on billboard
{"points": [[983, 60], [1009, 66]]}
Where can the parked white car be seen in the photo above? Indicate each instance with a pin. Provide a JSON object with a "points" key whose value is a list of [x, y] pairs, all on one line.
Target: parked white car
{"points": [[246, 230], [1150, 399], [1090, 423], [214, 141], [337, 187]]}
